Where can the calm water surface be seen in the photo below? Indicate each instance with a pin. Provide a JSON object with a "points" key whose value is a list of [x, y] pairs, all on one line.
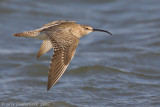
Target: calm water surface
{"points": [[122, 70]]}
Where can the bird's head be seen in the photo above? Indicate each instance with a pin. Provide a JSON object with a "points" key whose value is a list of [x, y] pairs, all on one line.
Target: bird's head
{"points": [[88, 29], [80, 30]]}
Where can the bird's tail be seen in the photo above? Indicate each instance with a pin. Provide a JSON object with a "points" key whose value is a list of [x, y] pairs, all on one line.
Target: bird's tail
{"points": [[31, 34]]}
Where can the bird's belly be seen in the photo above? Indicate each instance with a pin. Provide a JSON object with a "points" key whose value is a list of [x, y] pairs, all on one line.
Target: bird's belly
{"points": [[42, 36]]}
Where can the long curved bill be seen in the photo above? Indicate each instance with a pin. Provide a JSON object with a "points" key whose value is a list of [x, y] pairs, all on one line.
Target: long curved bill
{"points": [[102, 31]]}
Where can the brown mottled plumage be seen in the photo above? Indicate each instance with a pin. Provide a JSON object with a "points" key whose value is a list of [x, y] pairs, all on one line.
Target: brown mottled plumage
{"points": [[63, 36]]}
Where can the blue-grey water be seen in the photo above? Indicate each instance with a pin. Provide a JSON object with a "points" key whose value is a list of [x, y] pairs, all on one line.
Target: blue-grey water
{"points": [[122, 70]]}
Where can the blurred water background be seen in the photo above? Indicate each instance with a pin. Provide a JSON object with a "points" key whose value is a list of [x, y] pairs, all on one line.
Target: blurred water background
{"points": [[122, 70]]}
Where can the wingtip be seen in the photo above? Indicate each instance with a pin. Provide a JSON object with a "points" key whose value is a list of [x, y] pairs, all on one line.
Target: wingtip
{"points": [[48, 88], [16, 35], [37, 56]]}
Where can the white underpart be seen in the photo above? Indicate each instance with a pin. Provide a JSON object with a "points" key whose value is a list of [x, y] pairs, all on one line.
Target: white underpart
{"points": [[42, 36]]}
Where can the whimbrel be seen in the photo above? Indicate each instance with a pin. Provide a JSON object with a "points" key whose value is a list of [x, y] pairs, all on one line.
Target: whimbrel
{"points": [[63, 36]]}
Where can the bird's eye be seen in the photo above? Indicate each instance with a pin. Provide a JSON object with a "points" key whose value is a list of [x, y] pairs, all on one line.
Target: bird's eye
{"points": [[87, 28]]}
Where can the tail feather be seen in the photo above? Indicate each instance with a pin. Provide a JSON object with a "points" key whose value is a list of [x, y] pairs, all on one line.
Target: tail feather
{"points": [[26, 34]]}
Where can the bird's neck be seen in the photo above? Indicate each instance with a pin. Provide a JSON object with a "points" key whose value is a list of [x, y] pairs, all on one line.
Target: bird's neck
{"points": [[76, 33]]}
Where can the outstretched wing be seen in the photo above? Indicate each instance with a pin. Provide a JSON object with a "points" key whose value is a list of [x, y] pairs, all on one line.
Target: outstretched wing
{"points": [[45, 47], [54, 23], [60, 60]]}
